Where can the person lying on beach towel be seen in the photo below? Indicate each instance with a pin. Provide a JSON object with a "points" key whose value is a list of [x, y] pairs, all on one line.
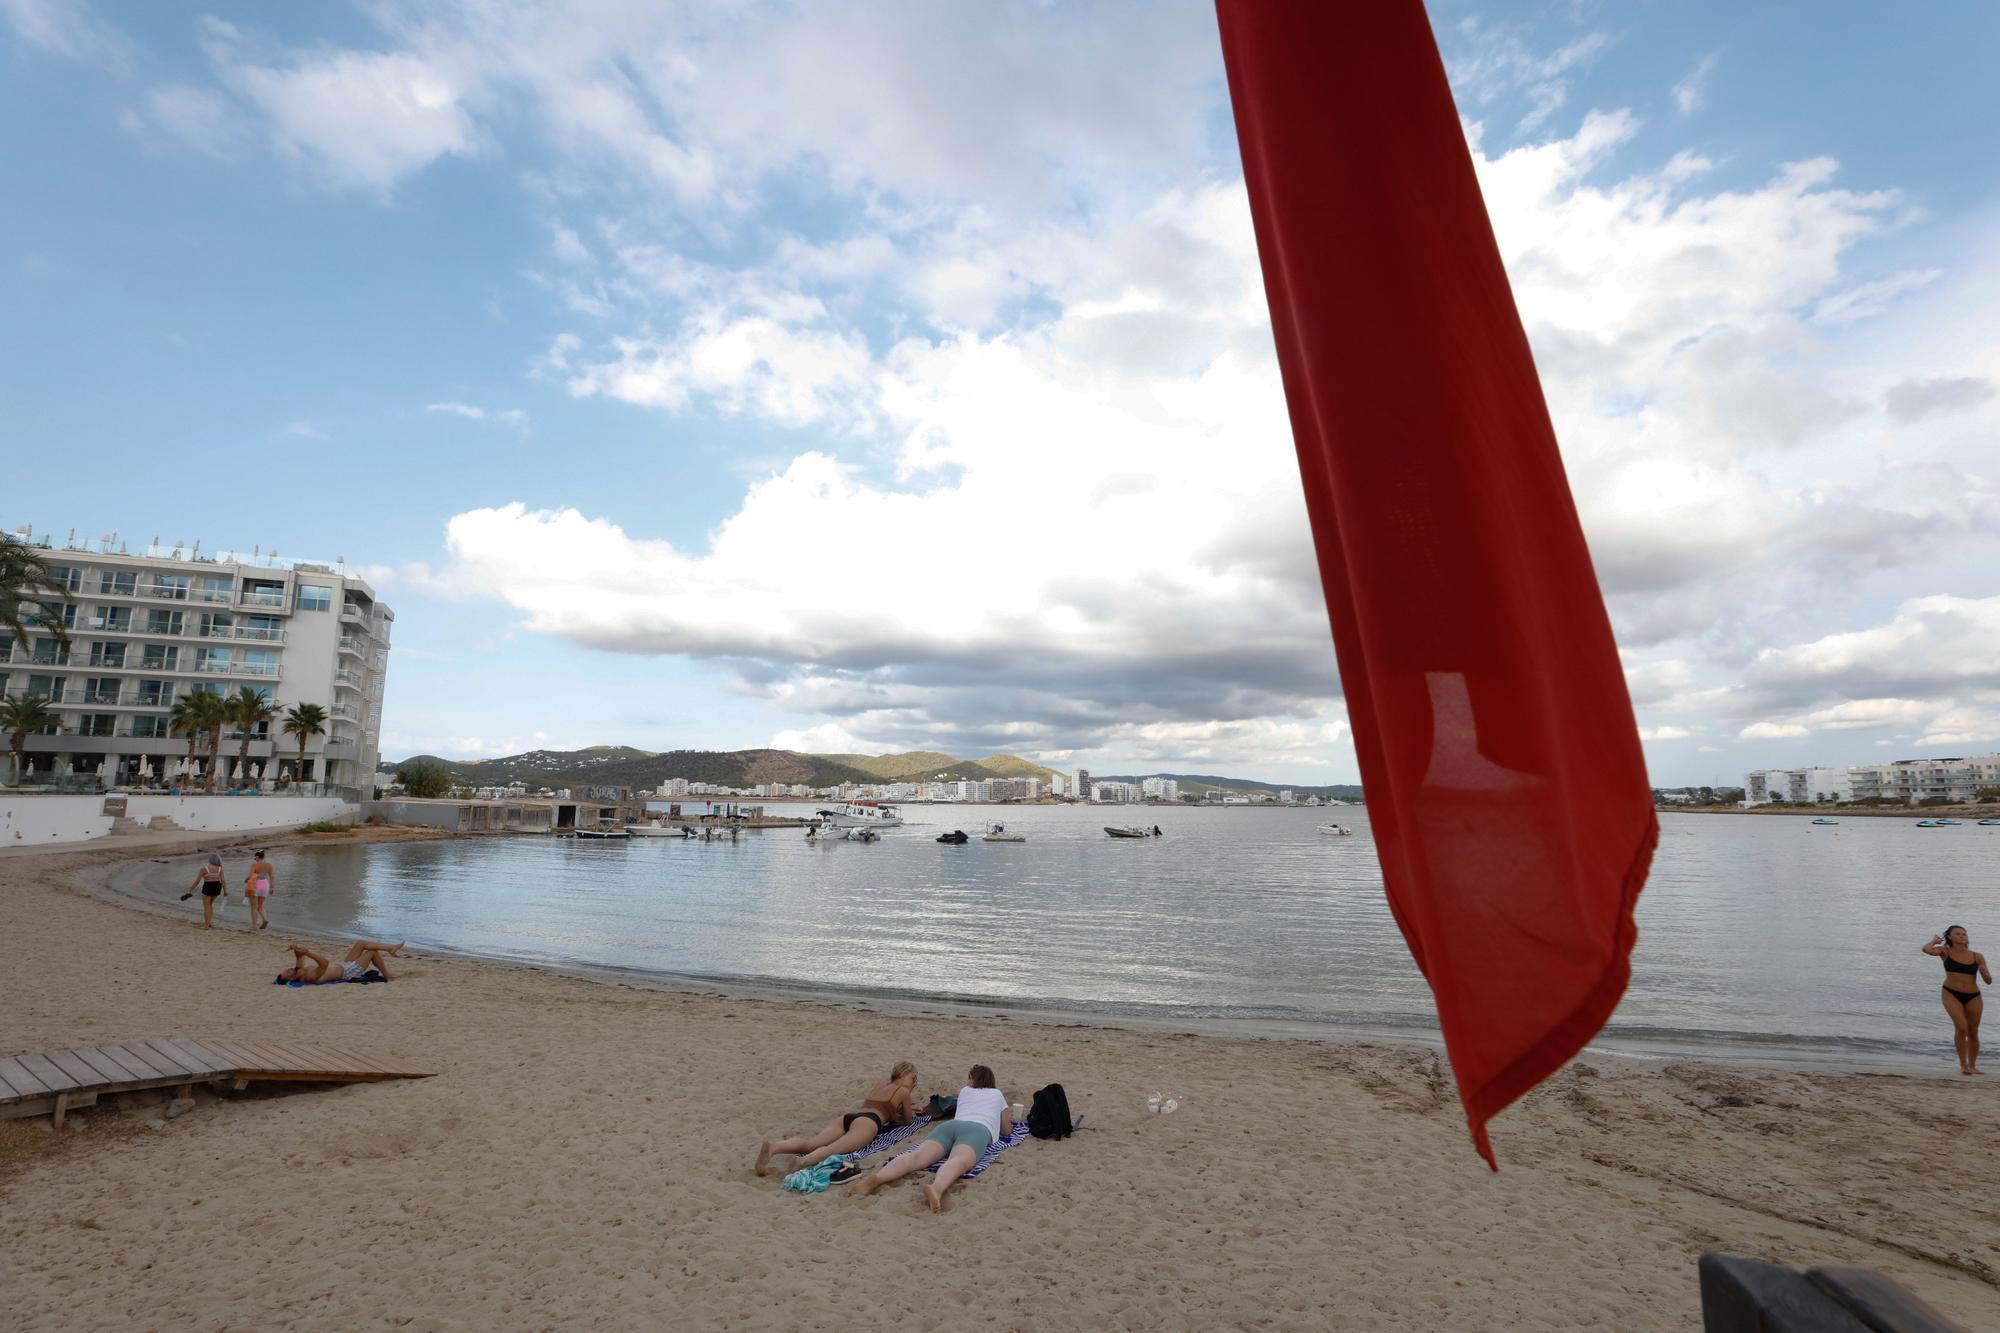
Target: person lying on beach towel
{"points": [[887, 1103], [363, 957], [981, 1117]]}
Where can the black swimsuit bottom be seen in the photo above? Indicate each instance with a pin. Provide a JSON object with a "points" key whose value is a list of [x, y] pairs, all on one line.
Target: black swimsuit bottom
{"points": [[847, 1121], [1964, 997]]}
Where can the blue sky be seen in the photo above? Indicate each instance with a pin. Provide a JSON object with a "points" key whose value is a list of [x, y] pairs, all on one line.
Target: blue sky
{"points": [[895, 376]]}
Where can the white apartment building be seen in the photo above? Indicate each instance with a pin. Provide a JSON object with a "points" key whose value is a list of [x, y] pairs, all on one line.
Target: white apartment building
{"points": [[1798, 785], [145, 630], [1915, 779], [1114, 792], [1161, 789]]}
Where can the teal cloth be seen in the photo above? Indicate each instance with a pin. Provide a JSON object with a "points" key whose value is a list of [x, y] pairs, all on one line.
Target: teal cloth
{"points": [[814, 1179]]}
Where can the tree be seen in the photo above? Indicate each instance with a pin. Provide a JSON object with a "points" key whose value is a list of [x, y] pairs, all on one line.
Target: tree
{"points": [[20, 716], [425, 781], [1987, 794], [305, 721], [25, 582], [194, 716], [248, 709]]}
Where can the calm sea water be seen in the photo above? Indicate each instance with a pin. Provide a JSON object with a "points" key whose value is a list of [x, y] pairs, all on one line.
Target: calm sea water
{"points": [[1766, 936]]}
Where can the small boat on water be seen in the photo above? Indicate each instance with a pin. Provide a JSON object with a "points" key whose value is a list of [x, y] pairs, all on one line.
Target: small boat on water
{"points": [[860, 814], [660, 830], [1132, 831], [999, 833], [1928, 823], [1826, 821], [862, 835], [956, 837], [1988, 823], [1949, 823], [604, 834], [1336, 831]]}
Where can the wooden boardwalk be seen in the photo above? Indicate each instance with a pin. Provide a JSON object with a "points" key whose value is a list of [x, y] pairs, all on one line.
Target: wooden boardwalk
{"points": [[57, 1082]]}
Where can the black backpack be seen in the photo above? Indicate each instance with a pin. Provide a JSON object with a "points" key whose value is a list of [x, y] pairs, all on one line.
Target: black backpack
{"points": [[1049, 1118]]}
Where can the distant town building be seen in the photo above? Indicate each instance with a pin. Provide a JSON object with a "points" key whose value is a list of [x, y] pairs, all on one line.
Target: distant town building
{"points": [[1160, 789], [1906, 780], [1082, 791]]}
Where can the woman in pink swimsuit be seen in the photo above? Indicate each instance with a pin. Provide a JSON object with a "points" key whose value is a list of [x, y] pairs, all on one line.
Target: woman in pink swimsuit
{"points": [[256, 889]]}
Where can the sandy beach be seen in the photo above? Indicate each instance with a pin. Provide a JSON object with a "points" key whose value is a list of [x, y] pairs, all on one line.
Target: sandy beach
{"points": [[583, 1159]]}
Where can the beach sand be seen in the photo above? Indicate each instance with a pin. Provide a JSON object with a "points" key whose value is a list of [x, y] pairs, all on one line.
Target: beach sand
{"points": [[583, 1160]]}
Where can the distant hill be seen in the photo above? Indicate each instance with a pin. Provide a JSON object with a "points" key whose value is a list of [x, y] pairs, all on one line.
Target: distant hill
{"points": [[623, 766], [1200, 784]]}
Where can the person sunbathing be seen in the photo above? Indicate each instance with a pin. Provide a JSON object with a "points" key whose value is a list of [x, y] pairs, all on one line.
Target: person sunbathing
{"points": [[982, 1118], [886, 1104], [363, 957]]}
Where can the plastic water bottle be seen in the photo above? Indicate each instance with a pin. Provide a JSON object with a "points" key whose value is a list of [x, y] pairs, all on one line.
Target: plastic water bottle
{"points": [[1153, 1104], [1170, 1105]]}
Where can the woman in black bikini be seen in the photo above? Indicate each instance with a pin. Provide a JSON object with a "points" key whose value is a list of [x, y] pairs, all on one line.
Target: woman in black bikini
{"points": [[887, 1103], [1961, 992]]}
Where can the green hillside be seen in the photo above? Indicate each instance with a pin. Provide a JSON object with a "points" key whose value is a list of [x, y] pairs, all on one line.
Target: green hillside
{"points": [[623, 766]]}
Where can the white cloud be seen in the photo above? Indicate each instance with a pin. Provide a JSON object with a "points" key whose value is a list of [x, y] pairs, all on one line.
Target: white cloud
{"points": [[1933, 645], [1856, 714], [305, 430], [67, 28], [1913, 400], [512, 416], [1772, 731], [1692, 92], [197, 116], [362, 120], [1664, 733]]}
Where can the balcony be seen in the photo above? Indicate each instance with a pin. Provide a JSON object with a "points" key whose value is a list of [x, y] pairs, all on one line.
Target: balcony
{"points": [[214, 595], [263, 597], [347, 679], [345, 711], [352, 647], [169, 592], [260, 635], [350, 614]]}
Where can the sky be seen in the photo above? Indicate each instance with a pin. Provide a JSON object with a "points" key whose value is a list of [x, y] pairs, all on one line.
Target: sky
{"points": [[868, 377]]}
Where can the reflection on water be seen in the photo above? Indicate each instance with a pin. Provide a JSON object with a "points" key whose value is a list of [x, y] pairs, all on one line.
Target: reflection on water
{"points": [[1750, 929]]}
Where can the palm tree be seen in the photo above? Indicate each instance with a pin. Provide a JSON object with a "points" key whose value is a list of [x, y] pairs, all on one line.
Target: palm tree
{"points": [[195, 715], [248, 708], [305, 721], [189, 718], [25, 583], [18, 717]]}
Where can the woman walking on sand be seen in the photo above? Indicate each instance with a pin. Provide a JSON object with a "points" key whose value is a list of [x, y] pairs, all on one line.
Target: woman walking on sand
{"points": [[1961, 993], [886, 1104], [209, 880], [257, 888]]}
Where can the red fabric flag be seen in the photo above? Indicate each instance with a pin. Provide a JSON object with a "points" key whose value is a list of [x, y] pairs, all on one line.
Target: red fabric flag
{"points": [[1506, 786]]}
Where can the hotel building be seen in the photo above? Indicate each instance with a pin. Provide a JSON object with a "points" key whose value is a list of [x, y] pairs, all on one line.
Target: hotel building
{"points": [[145, 630]]}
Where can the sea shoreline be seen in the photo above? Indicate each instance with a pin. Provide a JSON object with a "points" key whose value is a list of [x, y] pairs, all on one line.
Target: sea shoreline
{"points": [[582, 1158], [1651, 1046]]}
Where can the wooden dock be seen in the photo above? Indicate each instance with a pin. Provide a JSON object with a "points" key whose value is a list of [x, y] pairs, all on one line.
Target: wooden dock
{"points": [[57, 1082]]}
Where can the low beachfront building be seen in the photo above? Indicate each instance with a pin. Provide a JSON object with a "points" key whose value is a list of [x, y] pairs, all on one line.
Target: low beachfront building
{"points": [[146, 630], [1798, 786]]}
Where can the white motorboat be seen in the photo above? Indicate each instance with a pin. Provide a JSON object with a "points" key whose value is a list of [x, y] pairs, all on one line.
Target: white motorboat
{"points": [[659, 830], [999, 833], [862, 835], [1131, 831], [860, 814], [1336, 831]]}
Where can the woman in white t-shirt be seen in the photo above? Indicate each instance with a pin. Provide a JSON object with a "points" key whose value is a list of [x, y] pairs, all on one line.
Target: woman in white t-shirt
{"points": [[982, 1117]]}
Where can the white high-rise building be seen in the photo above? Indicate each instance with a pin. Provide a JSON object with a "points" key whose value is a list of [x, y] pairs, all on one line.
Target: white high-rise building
{"points": [[146, 630], [1160, 789]]}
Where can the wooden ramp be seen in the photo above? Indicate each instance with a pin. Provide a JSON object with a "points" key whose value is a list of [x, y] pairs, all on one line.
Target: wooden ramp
{"points": [[57, 1082]]}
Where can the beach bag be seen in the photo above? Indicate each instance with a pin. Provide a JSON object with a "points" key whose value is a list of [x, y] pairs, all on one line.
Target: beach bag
{"points": [[943, 1107], [1049, 1118], [814, 1179]]}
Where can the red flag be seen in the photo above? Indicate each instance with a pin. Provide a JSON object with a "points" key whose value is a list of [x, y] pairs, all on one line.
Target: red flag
{"points": [[1506, 786]]}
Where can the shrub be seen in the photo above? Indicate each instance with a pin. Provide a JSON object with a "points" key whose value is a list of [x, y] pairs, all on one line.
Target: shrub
{"points": [[327, 826], [425, 781]]}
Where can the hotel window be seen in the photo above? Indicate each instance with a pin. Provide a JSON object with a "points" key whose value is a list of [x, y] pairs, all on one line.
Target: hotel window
{"points": [[160, 657], [107, 654], [6, 646], [118, 582], [149, 725], [216, 625], [154, 693], [263, 592], [260, 662], [159, 621], [217, 588], [49, 687], [117, 619], [99, 724], [212, 660], [268, 628], [100, 690], [67, 576], [50, 653], [173, 587], [208, 687], [315, 597]]}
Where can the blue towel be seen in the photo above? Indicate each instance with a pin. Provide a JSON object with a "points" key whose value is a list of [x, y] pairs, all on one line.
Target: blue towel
{"points": [[814, 1179], [889, 1138]]}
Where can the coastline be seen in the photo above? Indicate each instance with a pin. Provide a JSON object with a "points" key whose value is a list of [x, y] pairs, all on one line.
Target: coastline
{"points": [[583, 1158]]}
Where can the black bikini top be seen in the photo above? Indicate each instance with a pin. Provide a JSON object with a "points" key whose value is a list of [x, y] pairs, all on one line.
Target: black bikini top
{"points": [[1950, 966]]}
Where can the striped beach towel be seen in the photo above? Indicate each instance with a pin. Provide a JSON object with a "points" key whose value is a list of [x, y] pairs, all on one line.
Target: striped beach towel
{"points": [[889, 1138]]}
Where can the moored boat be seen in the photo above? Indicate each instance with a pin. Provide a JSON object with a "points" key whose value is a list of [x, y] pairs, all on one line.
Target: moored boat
{"points": [[860, 814], [1336, 831], [1988, 823], [1826, 821], [604, 834], [1928, 823], [956, 837], [1127, 831], [999, 833]]}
